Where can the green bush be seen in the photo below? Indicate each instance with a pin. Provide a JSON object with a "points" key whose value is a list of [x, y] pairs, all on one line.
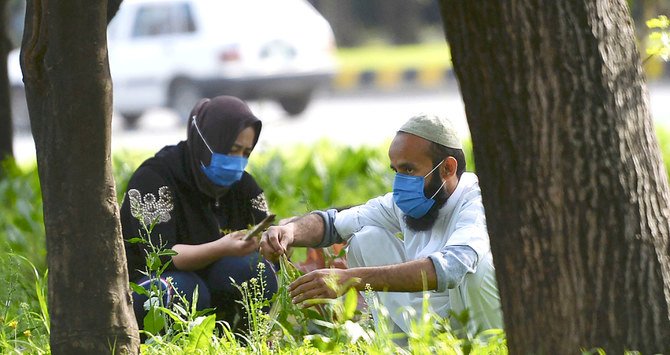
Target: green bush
{"points": [[300, 179]]}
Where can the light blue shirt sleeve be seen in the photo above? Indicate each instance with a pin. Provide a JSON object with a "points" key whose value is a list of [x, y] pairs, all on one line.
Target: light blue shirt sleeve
{"points": [[452, 264], [340, 226], [330, 235]]}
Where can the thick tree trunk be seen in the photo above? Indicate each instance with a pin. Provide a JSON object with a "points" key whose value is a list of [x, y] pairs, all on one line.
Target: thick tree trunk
{"points": [[68, 87], [402, 19], [573, 184], [342, 19], [6, 130]]}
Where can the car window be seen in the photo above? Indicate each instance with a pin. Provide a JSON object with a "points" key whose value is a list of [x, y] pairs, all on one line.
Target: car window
{"points": [[162, 19]]}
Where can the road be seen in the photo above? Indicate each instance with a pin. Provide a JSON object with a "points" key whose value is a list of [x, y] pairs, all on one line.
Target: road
{"points": [[351, 119]]}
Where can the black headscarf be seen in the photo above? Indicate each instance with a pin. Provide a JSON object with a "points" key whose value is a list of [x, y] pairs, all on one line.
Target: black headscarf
{"points": [[220, 121]]}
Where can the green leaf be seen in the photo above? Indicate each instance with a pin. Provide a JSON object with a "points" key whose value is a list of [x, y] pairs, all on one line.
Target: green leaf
{"points": [[324, 323], [139, 289], [171, 313], [659, 22], [167, 252], [350, 303], [322, 343], [153, 261], [135, 240], [154, 321], [311, 313], [201, 334]]}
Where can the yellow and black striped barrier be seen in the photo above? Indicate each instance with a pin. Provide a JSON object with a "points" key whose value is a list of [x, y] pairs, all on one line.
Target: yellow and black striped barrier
{"points": [[390, 79]]}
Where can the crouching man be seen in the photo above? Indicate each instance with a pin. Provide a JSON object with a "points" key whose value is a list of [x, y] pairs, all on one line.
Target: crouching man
{"points": [[430, 232]]}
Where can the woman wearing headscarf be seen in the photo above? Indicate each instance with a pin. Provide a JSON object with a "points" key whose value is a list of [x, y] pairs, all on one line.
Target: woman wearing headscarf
{"points": [[196, 199]]}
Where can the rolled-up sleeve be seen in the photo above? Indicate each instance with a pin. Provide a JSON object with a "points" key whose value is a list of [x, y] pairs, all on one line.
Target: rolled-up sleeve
{"points": [[452, 264], [340, 226], [330, 235]]}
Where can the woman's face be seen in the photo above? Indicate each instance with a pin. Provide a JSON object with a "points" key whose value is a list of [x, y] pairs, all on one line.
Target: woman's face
{"points": [[244, 143]]}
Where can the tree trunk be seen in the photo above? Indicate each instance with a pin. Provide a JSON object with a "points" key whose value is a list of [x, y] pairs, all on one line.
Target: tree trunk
{"points": [[573, 183], [343, 20], [69, 92], [6, 129], [402, 20]]}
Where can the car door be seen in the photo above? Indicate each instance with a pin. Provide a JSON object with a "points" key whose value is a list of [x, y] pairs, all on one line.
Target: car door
{"points": [[144, 55]]}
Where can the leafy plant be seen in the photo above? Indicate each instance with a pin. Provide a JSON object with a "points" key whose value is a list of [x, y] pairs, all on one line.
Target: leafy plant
{"points": [[24, 321], [659, 38], [21, 216]]}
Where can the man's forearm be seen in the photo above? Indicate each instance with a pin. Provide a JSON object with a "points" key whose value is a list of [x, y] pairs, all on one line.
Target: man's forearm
{"points": [[412, 276], [308, 230]]}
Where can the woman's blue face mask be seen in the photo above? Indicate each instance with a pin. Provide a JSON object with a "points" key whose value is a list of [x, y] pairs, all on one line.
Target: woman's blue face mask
{"points": [[223, 170], [408, 194]]}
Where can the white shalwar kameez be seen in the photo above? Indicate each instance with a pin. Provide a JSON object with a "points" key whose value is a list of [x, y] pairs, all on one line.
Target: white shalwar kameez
{"points": [[378, 235]]}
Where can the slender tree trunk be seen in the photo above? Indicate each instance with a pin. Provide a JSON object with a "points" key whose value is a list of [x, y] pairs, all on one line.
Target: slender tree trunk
{"points": [[69, 91], [6, 130], [573, 183]]}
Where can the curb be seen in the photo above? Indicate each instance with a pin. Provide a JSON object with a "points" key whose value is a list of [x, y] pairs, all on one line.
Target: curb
{"points": [[391, 79], [429, 77]]}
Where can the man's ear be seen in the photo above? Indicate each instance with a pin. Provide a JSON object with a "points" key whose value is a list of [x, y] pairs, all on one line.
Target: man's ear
{"points": [[449, 168]]}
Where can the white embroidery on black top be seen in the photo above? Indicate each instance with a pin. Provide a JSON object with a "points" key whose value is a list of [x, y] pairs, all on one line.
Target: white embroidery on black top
{"points": [[147, 210], [260, 203]]}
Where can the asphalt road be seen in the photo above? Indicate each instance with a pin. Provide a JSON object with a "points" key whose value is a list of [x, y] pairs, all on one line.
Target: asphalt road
{"points": [[351, 119]]}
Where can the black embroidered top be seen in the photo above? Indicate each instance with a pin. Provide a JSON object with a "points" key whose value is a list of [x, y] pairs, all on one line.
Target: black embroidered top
{"points": [[185, 214]]}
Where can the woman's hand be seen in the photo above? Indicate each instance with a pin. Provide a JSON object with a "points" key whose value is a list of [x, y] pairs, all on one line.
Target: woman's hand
{"points": [[233, 244], [197, 256]]}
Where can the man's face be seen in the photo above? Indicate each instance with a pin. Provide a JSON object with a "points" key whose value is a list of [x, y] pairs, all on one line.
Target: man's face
{"points": [[410, 155]]}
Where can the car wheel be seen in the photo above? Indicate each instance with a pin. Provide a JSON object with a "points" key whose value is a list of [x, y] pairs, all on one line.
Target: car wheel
{"points": [[20, 119], [130, 119], [183, 96], [295, 105]]}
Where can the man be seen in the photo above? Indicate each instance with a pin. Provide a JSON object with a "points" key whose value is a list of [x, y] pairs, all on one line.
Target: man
{"points": [[429, 233]]}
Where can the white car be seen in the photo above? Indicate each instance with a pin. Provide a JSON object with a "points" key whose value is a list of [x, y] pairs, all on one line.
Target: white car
{"points": [[170, 53]]}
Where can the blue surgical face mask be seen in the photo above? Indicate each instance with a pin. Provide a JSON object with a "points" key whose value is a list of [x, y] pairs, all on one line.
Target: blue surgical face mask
{"points": [[408, 194], [223, 170]]}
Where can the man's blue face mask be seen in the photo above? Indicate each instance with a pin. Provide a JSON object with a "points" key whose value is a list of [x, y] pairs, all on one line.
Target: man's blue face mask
{"points": [[408, 194], [223, 170]]}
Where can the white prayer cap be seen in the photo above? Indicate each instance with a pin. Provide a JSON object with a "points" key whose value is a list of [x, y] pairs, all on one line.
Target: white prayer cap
{"points": [[433, 128]]}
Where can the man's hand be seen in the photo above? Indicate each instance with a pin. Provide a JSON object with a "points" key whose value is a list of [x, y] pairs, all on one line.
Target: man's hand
{"points": [[276, 240], [322, 283]]}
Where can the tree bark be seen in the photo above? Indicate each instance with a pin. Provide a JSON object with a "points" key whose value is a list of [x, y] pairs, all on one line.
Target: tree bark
{"points": [[6, 129], [572, 179], [402, 20], [69, 92], [343, 20]]}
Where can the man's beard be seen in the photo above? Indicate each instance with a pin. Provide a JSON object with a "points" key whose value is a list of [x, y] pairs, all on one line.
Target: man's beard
{"points": [[428, 220]]}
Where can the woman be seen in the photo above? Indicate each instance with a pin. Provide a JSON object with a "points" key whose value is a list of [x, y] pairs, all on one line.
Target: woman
{"points": [[198, 198]]}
